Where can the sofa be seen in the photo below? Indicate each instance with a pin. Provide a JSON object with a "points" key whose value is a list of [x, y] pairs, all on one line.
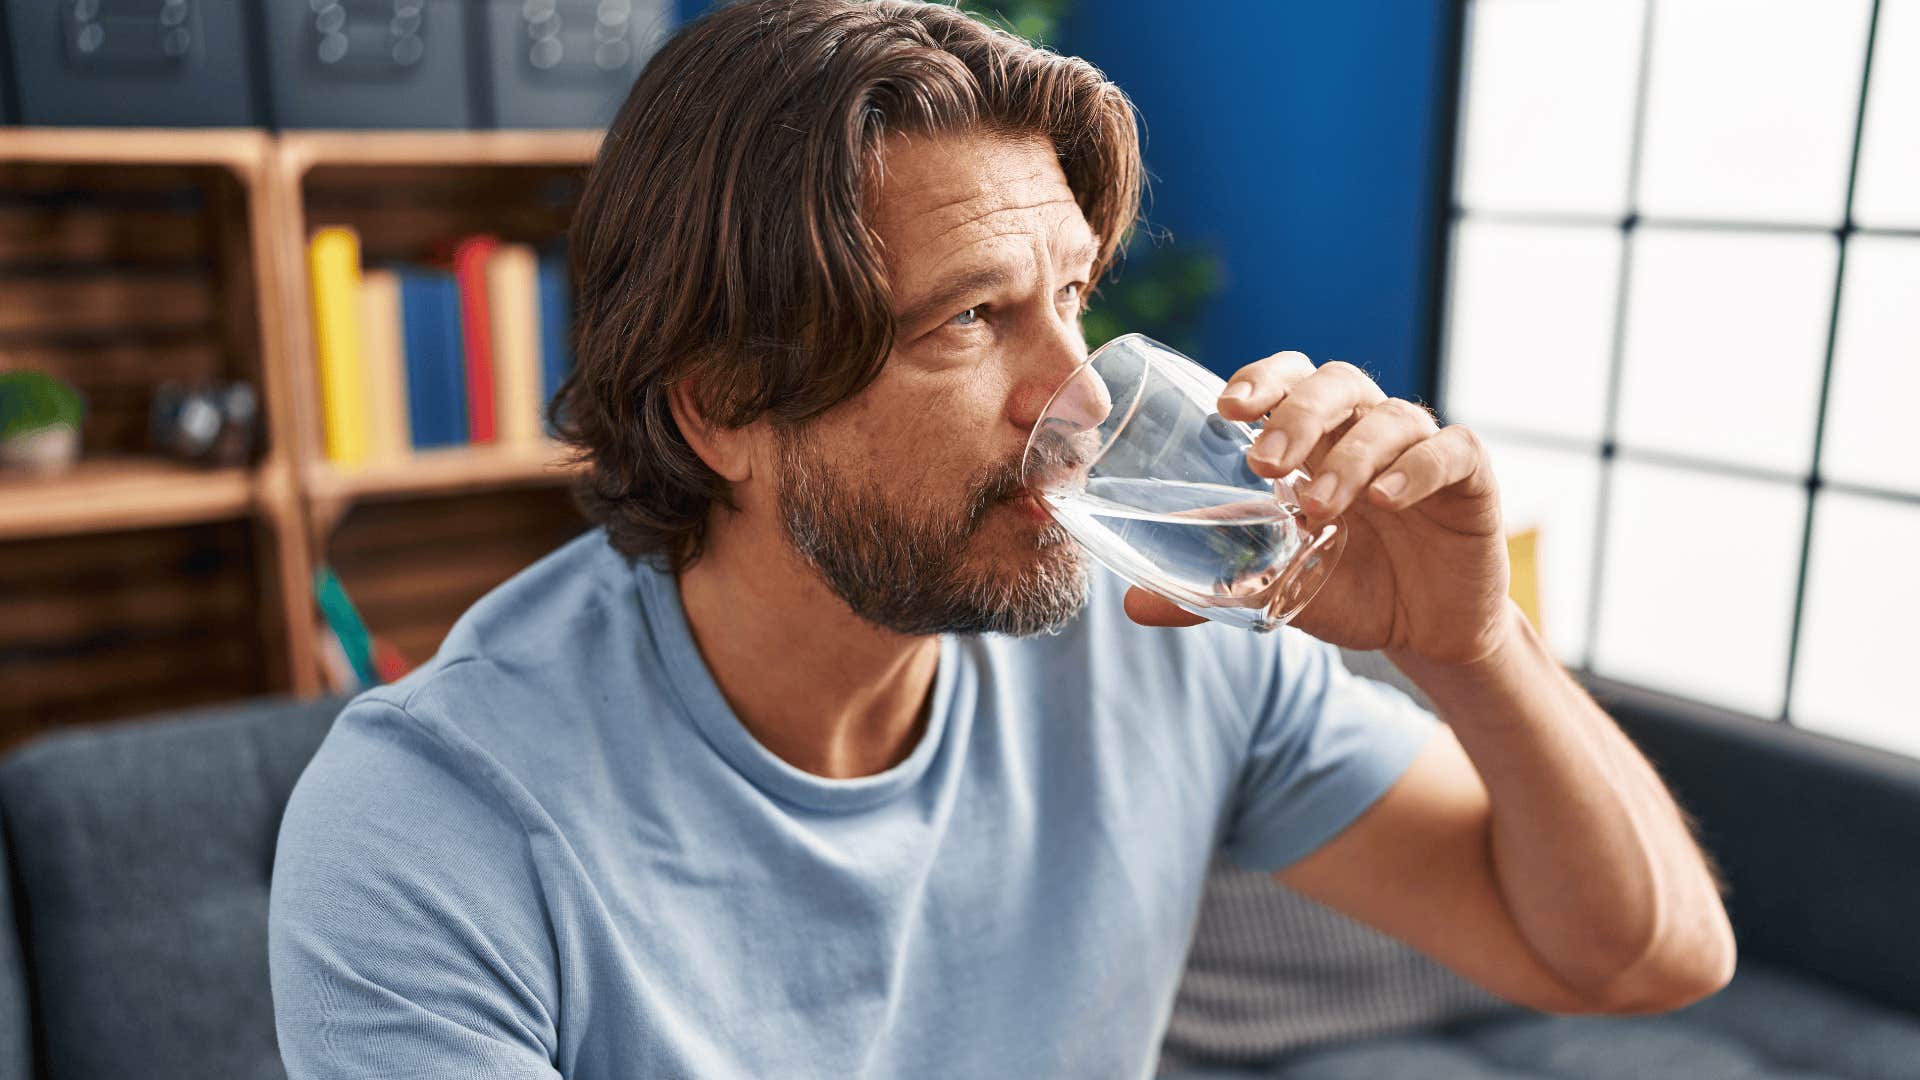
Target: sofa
{"points": [[137, 856]]}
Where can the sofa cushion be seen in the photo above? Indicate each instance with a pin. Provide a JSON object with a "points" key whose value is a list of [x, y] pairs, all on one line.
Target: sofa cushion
{"points": [[142, 855], [1767, 1024], [16, 1033], [1270, 970]]}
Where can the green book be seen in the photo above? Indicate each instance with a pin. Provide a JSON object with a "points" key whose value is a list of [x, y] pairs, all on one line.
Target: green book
{"points": [[346, 623]]}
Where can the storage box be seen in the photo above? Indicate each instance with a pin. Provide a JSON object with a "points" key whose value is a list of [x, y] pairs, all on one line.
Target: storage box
{"points": [[368, 63], [568, 63], [131, 62], [6, 72]]}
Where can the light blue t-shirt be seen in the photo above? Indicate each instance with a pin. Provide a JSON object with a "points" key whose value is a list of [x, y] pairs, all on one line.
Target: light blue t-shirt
{"points": [[553, 851]]}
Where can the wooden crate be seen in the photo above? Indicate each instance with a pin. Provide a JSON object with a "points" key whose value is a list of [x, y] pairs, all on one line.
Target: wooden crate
{"points": [[411, 196], [128, 258]]}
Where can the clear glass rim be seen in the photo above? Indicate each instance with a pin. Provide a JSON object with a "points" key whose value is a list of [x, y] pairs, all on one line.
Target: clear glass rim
{"points": [[1093, 358]]}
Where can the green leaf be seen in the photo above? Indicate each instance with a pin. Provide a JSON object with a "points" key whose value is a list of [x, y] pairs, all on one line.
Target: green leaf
{"points": [[34, 401]]}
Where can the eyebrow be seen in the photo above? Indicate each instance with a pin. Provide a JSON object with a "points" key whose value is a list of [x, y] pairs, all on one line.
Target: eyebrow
{"points": [[984, 279], [973, 282]]}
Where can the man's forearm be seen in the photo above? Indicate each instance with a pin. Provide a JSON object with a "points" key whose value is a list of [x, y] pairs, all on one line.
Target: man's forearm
{"points": [[1591, 854]]}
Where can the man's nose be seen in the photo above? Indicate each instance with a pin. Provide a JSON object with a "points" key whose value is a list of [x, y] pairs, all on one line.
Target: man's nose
{"points": [[1046, 367]]}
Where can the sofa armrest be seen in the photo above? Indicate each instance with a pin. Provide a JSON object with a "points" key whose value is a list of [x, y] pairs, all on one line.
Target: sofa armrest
{"points": [[1817, 837]]}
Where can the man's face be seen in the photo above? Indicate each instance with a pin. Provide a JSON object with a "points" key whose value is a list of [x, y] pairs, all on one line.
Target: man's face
{"points": [[906, 498]]}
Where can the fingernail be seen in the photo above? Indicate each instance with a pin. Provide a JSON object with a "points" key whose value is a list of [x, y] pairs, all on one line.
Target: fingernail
{"points": [[1239, 389], [1322, 489], [1270, 447], [1391, 485]]}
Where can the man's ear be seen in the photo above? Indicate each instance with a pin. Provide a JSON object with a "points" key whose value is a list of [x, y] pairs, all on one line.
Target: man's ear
{"points": [[727, 451]]}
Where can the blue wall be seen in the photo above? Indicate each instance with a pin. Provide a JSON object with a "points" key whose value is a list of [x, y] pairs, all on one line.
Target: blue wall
{"points": [[1298, 139]]}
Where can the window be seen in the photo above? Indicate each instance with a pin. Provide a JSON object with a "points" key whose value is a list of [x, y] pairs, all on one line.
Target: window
{"points": [[1683, 309]]}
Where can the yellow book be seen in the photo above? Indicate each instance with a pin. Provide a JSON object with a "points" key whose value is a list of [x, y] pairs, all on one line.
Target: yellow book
{"points": [[384, 351], [333, 268], [513, 302]]}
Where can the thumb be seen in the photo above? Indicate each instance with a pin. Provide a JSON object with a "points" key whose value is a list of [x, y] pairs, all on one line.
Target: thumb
{"points": [[1149, 609]]}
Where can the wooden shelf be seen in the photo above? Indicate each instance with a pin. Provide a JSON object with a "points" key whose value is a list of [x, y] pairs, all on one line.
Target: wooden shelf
{"points": [[113, 522], [302, 150], [116, 494], [241, 149], [450, 471]]}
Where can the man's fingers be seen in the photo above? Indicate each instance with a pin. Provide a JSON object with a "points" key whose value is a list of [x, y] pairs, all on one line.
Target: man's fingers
{"points": [[1439, 462], [1260, 385], [1151, 609], [1313, 408], [1374, 442]]}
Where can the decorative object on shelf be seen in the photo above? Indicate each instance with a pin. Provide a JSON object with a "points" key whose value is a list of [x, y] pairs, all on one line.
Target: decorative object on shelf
{"points": [[214, 423], [39, 421]]}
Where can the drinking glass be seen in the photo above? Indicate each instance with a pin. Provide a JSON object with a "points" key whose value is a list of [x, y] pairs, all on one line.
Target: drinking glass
{"points": [[1131, 459]]}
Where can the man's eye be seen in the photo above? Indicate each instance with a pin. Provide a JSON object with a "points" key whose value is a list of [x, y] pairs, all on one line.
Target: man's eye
{"points": [[966, 318], [1071, 293]]}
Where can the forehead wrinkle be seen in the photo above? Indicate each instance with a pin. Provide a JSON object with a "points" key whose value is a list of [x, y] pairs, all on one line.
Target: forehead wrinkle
{"points": [[1050, 240], [1043, 204]]}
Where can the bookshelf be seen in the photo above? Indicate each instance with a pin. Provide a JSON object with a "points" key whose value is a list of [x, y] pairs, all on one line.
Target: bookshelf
{"points": [[131, 256], [119, 494]]}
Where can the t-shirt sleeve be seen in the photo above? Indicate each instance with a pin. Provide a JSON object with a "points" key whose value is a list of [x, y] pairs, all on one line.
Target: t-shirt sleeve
{"points": [[1326, 745], [407, 937]]}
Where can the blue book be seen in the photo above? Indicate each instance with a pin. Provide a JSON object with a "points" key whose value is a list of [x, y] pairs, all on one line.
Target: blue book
{"points": [[556, 323], [436, 350]]}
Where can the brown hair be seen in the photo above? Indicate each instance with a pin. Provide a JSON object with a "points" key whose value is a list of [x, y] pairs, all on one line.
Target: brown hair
{"points": [[720, 239]]}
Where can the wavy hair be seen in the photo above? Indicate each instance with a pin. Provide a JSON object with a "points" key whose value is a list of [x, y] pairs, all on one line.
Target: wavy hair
{"points": [[720, 238]]}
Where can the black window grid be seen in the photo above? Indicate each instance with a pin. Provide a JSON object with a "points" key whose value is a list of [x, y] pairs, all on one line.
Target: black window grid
{"points": [[1451, 101]]}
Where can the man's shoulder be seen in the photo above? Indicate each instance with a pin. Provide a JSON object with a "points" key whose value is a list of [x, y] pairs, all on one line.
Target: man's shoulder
{"points": [[537, 616], [521, 680]]}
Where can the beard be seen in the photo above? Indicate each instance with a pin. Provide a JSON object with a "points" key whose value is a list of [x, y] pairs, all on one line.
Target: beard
{"points": [[906, 567]]}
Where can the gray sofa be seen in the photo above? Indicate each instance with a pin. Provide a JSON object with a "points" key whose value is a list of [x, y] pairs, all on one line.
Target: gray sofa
{"points": [[133, 917]]}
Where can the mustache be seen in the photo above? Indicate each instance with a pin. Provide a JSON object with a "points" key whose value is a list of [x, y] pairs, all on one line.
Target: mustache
{"points": [[1008, 479], [1001, 482]]}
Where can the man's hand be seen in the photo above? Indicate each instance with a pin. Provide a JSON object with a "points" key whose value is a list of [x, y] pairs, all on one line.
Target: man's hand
{"points": [[1425, 570]]}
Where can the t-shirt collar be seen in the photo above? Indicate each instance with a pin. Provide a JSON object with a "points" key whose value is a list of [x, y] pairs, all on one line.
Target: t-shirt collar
{"points": [[701, 699]]}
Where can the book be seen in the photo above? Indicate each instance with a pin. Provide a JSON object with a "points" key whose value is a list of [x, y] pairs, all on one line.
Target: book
{"points": [[470, 270], [513, 306], [351, 655], [434, 356], [383, 349], [335, 669], [333, 271], [556, 325], [345, 622]]}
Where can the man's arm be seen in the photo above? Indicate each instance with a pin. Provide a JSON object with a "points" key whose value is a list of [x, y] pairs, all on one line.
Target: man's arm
{"points": [[1532, 849]]}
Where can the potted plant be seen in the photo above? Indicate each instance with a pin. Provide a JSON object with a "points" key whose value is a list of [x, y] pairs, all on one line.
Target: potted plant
{"points": [[39, 421]]}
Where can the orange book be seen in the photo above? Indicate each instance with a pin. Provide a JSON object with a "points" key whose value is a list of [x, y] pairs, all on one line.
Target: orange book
{"points": [[470, 272]]}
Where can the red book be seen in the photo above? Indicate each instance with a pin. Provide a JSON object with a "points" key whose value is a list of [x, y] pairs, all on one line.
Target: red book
{"points": [[470, 272]]}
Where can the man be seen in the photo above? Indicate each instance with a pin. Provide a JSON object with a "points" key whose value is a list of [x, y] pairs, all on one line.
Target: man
{"points": [[827, 754]]}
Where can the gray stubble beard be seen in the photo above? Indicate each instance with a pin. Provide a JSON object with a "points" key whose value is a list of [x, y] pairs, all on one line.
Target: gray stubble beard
{"points": [[909, 575]]}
